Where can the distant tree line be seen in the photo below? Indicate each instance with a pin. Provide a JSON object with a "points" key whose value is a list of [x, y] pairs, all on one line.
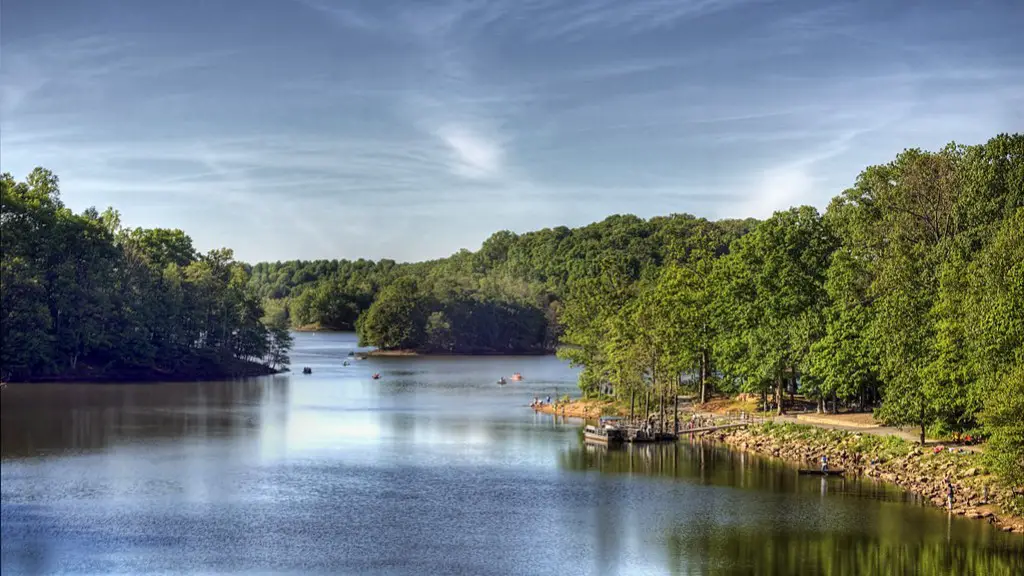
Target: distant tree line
{"points": [[82, 297]]}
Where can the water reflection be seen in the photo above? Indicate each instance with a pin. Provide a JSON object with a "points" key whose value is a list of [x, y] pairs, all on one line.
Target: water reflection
{"points": [[41, 419], [774, 521], [433, 469], [709, 549]]}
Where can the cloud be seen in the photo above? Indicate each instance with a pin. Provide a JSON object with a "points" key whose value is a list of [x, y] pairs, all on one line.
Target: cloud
{"points": [[539, 112], [575, 19], [475, 157]]}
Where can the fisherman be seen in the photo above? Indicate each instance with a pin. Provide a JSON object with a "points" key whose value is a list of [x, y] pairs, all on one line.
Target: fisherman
{"points": [[949, 493], [824, 464]]}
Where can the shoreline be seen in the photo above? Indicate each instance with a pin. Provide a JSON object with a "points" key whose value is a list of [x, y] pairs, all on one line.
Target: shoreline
{"points": [[913, 468], [421, 354], [319, 328], [888, 458], [86, 375]]}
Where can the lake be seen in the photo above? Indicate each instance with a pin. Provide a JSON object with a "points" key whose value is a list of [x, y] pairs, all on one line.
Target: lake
{"points": [[433, 469]]}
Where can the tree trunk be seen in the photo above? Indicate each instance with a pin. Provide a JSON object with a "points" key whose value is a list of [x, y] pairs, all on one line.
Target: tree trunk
{"points": [[792, 389], [675, 412], [662, 423], [703, 376], [821, 404], [632, 403], [778, 394], [922, 423]]}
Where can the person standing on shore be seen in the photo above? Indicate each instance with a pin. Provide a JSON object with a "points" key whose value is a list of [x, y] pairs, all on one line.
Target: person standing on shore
{"points": [[949, 493]]}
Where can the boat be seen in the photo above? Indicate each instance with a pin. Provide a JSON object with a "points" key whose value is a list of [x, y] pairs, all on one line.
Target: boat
{"points": [[516, 377], [606, 432], [345, 363], [501, 381], [307, 370], [376, 376], [819, 472]]}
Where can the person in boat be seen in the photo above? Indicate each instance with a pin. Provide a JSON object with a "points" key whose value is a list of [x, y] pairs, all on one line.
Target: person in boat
{"points": [[824, 464]]}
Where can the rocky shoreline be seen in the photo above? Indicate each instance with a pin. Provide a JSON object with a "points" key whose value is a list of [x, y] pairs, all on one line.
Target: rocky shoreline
{"points": [[919, 470]]}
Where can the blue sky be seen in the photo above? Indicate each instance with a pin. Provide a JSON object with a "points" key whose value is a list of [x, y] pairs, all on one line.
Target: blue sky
{"points": [[342, 129]]}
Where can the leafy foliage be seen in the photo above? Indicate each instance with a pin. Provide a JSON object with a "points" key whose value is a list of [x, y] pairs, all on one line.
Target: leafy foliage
{"points": [[82, 297]]}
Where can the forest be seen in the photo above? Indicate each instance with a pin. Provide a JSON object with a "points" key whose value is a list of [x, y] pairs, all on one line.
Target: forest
{"points": [[905, 296], [83, 298]]}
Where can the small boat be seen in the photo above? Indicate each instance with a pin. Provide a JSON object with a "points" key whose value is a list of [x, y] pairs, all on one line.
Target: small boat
{"points": [[376, 376], [603, 434], [516, 377], [351, 353], [819, 472], [307, 370], [345, 363], [502, 381]]}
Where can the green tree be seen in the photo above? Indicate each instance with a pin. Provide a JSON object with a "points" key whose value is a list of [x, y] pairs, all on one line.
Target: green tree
{"points": [[396, 320]]}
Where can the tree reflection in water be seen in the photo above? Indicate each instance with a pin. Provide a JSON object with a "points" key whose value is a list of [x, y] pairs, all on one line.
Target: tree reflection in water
{"points": [[38, 419], [781, 523]]}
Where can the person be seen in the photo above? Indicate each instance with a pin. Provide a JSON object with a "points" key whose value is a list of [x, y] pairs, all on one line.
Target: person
{"points": [[824, 464], [949, 492], [547, 400]]}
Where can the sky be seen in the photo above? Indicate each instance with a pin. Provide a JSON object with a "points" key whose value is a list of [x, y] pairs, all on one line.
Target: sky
{"points": [[306, 129]]}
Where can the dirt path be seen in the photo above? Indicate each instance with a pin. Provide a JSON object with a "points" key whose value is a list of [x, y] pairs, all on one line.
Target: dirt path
{"points": [[861, 423]]}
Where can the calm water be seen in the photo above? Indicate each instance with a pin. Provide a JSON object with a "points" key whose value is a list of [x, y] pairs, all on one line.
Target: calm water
{"points": [[434, 469]]}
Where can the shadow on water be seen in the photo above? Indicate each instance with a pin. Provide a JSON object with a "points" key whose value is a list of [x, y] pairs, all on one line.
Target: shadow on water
{"points": [[774, 521], [44, 419]]}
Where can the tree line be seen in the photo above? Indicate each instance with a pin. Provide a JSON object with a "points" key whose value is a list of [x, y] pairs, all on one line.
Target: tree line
{"points": [[906, 294], [84, 298]]}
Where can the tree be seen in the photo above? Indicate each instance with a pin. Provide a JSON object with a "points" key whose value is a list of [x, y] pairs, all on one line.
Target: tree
{"points": [[396, 320], [770, 297], [82, 297]]}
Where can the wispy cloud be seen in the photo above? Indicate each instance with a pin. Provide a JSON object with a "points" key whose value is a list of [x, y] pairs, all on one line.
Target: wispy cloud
{"points": [[475, 157], [467, 116], [570, 20]]}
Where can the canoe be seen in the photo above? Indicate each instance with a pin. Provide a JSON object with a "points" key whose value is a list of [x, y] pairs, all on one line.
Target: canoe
{"points": [[820, 473]]}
